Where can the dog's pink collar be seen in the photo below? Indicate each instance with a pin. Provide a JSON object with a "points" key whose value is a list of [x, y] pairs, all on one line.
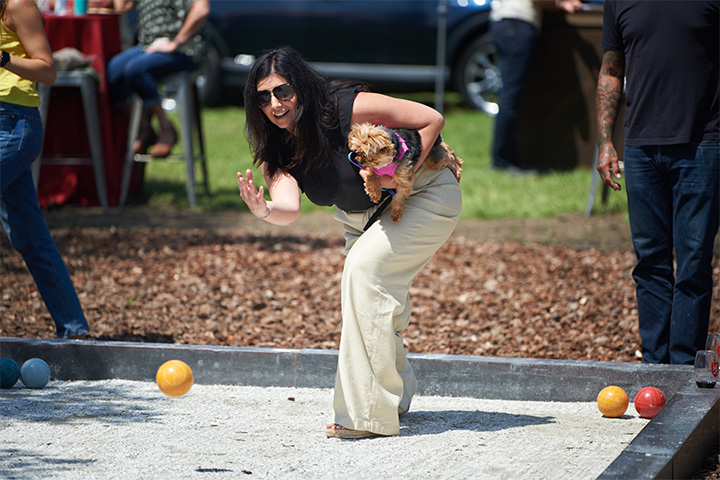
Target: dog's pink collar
{"points": [[389, 169]]}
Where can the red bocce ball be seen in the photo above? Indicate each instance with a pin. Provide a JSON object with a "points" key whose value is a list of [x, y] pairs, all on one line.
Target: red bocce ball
{"points": [[649, 401]]}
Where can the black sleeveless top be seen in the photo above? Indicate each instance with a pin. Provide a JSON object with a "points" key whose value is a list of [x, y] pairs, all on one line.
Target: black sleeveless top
{"points": [[338, 181]]}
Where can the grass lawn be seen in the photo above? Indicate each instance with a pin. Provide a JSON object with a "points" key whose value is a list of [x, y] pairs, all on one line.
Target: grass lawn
{"points": [[486, 193]]}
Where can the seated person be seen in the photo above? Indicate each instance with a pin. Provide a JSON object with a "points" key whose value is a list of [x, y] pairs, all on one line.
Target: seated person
{"points": [[168, 42]]}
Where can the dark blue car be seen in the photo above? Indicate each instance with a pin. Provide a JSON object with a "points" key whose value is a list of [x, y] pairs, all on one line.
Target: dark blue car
{"points": [[394, 45]]}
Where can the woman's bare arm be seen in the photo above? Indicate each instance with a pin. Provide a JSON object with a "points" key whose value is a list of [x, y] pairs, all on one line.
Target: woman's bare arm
{"points": [[23, 17]]}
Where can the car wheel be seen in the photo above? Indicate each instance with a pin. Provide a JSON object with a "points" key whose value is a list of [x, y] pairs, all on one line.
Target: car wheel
{"points": [[477, 75]]}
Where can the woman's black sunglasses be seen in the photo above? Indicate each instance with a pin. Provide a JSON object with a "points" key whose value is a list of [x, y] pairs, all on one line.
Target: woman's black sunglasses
{"points": [[282, 92]]}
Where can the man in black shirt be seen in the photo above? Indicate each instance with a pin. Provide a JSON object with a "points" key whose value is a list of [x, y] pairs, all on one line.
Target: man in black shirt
{"points": [[668, 53]]}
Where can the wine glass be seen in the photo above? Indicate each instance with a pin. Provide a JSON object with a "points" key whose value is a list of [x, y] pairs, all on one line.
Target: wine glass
{"points": [[706, 368], [713, 342]]}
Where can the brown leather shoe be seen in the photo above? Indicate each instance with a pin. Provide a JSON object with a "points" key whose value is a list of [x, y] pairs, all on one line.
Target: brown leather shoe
{"points": [[146, 137], [165, 141]]}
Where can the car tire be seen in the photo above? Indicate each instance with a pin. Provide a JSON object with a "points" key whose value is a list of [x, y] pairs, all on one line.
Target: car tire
{"points": [[477, 75]]}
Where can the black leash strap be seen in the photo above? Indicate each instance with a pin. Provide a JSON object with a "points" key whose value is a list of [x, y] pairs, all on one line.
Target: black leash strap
{"points": [[378, 212]]}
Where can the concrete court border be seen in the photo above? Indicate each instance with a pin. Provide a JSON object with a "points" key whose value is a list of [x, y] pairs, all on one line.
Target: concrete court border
{"points": [[672, 445]]}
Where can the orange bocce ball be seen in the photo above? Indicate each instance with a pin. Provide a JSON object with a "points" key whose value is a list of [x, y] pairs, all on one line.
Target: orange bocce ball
{"points": [[174, 378], [612, 401]]}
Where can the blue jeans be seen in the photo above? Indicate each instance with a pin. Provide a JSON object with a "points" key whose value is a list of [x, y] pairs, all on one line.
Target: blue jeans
{"points": [[673, 197], [24, 223], [133, 70], [516, 44]]}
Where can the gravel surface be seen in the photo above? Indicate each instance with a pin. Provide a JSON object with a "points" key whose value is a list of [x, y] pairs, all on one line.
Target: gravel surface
{"points": [[121, 429]]}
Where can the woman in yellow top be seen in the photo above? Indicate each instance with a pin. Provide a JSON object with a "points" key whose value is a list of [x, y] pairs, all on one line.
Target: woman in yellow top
{"points": [[25, 58]]}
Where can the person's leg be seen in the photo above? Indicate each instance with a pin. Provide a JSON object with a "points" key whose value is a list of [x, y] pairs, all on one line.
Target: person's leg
{"points": [[404, 369], [515, 41], [167, 136], [649, 194], [121, 91], [24, 223], [118, 86], [695, 204], [374, 381], [142, 73], [146, 135]]}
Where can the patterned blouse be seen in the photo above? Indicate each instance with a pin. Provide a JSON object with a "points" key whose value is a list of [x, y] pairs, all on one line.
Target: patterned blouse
{"points": [[164, 18]]}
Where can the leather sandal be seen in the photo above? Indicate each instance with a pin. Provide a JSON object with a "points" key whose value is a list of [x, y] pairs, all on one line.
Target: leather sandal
{"points": [[165, 141], [335, 430]]}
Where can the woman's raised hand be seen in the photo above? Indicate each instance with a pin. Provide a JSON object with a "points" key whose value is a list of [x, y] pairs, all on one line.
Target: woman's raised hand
{"points": [[253, 196]]}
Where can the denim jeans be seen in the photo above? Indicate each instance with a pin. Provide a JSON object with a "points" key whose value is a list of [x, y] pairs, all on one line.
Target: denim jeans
{"points": [[24, 223], [673, 203], [516, 44], [134, 71]]}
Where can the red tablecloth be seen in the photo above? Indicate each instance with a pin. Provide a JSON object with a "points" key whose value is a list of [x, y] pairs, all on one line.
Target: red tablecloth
{"points": [[97, 36]]}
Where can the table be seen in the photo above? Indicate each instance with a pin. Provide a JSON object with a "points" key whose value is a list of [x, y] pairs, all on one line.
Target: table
{"points": [[99, 37]]}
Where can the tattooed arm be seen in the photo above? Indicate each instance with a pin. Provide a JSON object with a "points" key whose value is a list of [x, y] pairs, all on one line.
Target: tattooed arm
{"points": [[607, 103]]}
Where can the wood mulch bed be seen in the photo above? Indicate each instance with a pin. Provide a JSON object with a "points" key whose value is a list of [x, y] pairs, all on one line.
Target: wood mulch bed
{"points": [[555, 289]]}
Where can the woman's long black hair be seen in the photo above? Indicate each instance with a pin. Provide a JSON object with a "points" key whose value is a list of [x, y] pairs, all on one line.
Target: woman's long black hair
{"points": [[316, 114]]}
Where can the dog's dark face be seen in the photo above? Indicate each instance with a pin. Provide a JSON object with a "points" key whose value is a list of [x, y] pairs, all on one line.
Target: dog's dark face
{"points": [[370, 145]]}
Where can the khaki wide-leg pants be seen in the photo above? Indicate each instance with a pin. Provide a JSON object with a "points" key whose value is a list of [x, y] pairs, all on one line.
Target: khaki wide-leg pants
{"points": [[374, 381]]}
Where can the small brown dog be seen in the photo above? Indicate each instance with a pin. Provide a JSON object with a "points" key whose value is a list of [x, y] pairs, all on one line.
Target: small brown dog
{"points": [[395, 152]]}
